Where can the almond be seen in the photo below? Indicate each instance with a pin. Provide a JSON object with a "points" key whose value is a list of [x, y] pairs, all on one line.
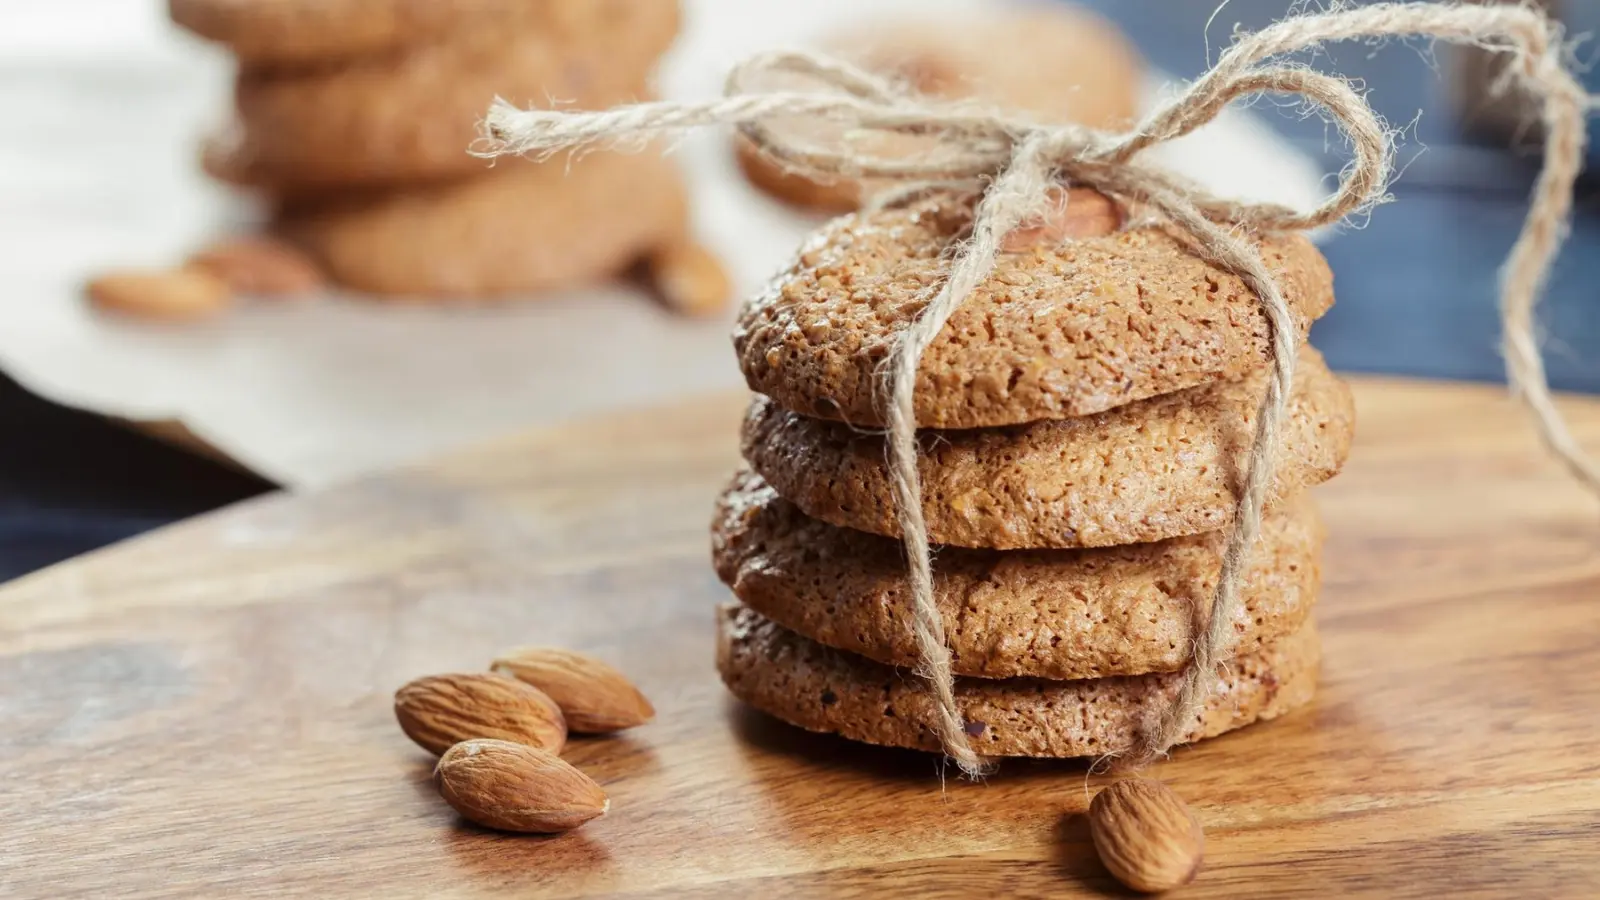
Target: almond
{"points": [[690, 279], [1073, 213], [1146, 836], [593, 697], [514, 787], [931, 73], [260, 265], [166, 294], [442, 710]]}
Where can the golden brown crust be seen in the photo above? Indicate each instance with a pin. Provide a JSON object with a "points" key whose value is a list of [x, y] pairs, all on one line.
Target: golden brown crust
{"points": [[413, 117], [300, 33], [523, 227], [1058, 614], [1160, 468], [1059, 62], [822, 689], [1054, 332]]}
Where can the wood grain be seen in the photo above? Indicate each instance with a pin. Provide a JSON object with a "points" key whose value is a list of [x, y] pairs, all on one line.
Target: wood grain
{"points": [[205, 711]]}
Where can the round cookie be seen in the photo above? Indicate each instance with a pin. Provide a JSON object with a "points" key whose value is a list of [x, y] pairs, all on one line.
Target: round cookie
{"points": [[523, 227], [1159, 468], [1060, 63], [1057, 614], [1055, 331], [285, 33], [821, 689], [413, 117]]}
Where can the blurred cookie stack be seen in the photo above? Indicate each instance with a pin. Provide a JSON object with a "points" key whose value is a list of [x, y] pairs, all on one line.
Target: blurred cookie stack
{"points": [[1085, 417], [354, 117], [1057, 62]]}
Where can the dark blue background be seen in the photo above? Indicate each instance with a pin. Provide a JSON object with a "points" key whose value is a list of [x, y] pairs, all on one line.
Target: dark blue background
{"points": [[1416, 289]]}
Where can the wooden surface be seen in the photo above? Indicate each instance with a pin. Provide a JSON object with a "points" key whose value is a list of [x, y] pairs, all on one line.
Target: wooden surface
{"points": [[206, 711]]}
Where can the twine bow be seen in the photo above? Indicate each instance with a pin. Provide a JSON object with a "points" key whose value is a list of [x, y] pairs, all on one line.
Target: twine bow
{"points": [[1015, 161]]}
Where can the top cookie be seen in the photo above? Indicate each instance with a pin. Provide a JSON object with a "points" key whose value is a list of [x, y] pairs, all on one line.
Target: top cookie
{"points": [[1061, 64], [1056, 331], [298, 32]]}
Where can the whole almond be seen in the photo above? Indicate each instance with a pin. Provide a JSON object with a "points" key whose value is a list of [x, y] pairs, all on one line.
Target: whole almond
{"points": [[1146, 836], [594, 697], [166, 294], [260, 265], [1074, 213], [514, 787], [440, 711], [690, 279]]}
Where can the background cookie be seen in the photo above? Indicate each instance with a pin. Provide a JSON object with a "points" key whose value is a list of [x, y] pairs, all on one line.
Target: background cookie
{"points": [[301, 32], [413, 117], [523, 228], [1059, 62], [1058, 614], [822, 689], [1151, 470], [1056, 331]]}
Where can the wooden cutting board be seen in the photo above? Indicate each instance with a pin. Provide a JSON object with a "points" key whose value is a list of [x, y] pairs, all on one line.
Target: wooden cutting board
{"points": [[205, 711]]}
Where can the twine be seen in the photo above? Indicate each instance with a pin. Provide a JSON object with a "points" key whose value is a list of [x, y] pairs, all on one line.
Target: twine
{"points": [[1015, 161]]}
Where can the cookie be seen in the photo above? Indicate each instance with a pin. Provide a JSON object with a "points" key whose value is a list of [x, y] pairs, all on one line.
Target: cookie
{"points": [[1055, 331], [413, 117], [821, 689], [1060, 63], [298, 33], [522, 227], [1057, 614], [1159, 468]]}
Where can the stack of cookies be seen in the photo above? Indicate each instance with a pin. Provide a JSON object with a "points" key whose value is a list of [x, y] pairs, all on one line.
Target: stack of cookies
{"points": [[355, 118], [1060, 63], [1084, 420]]}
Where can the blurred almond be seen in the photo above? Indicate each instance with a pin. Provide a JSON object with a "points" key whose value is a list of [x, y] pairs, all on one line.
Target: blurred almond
{"points": [[1073, 213], [690, 279], [173, 294], [442, 710], [515, 787], [260, 265], [594, 697]]}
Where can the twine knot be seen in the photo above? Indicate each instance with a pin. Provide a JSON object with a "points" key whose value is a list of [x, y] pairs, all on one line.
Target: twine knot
{"points": [[1012, 162]]}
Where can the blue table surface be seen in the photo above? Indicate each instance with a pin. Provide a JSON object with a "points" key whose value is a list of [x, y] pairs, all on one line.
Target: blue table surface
{"points": [[1416, 288]]}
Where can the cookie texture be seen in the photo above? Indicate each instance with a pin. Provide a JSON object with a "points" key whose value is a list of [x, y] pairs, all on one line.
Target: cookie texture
{"points": [[413, 117], [1061, 330], [1056, 614], [301, 33], [1060, 63], [1164, 467], [821, 689], [523, 227]]}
